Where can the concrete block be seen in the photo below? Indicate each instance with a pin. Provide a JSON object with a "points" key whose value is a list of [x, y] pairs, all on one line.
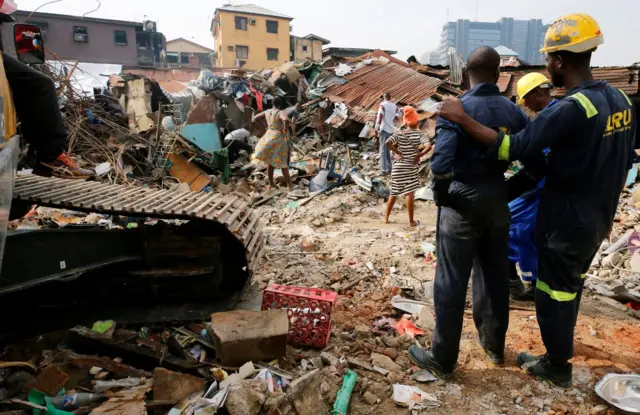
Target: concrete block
{"points": [[242, 336]]}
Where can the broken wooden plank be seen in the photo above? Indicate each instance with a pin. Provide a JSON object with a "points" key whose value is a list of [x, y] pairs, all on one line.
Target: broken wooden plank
{"points": [[82, 339], [106, 363]]}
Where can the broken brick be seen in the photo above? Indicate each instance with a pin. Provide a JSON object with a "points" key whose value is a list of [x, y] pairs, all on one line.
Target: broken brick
{"points": [[242, 336], [174, 386], [49, 381]]}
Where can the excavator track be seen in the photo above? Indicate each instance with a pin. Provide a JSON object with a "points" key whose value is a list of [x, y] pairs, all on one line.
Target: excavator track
{"points": [[90, 196]]}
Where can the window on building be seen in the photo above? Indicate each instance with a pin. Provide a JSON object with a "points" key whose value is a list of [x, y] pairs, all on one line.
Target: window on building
{"points": [[230, 48], [272, 26], [305, 48], [80, 34], [241, 23], [120, 37], [184, 58], [204, 60], [272, 54], [173, 57], [242, 52]]}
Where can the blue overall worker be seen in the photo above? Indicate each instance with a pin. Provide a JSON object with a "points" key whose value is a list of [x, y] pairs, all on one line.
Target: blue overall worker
{"points": [[591, 136], [473, 223], [524, 189]]}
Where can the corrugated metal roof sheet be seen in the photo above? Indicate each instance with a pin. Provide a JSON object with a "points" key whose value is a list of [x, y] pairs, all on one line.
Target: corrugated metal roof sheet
{"points": [[625, 79], [503, 82], [368, 83], [362, 115]]}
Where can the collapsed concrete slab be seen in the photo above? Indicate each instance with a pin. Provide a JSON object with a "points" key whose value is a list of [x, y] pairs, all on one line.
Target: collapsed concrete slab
{"points": [[243, 336]]}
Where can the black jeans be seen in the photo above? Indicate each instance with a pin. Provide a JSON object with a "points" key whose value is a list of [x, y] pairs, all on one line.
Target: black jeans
{"points": [[37, 107]]}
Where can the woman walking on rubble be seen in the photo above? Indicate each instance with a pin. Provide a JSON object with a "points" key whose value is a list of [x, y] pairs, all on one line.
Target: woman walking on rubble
{"points": [[273, 148], [408, 146]]}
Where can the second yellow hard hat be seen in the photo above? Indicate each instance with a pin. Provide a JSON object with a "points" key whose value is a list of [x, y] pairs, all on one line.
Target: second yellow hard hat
{"points": [[529, 82]]}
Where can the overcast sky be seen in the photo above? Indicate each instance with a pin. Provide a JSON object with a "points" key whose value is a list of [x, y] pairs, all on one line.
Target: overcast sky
{"points": [[411, 27]]}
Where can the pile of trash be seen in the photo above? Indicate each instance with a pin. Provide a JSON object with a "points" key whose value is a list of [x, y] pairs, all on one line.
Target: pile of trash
{"points": [[137, 130], [247, 362], [615, 270]]}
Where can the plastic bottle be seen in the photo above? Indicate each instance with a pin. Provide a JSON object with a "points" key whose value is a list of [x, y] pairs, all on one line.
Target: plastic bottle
{"points": [[75, 401]]}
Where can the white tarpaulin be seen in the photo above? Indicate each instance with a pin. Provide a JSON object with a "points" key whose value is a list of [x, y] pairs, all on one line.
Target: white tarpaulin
{"points": [[88, 75]]}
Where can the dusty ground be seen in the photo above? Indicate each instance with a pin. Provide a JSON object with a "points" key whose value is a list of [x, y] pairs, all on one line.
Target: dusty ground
{"points": [[328, 243]]}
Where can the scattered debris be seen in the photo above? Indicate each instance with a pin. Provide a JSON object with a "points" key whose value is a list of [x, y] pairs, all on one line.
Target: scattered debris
{"points": [[414, 398], [341, 404], [173, 387], [424, 376], [620, 391]]}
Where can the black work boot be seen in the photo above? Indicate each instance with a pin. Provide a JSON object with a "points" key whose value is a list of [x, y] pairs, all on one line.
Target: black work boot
{"points": [[542, 368], [425, 360], [527, 293]]}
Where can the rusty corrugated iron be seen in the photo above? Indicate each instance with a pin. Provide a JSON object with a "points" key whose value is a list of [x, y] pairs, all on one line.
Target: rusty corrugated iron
{"points": [[368, 83], [503, 81], [622, 78]]}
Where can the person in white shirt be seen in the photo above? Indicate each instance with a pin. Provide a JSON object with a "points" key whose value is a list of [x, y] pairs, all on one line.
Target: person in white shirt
{"points": [[387, 114]]}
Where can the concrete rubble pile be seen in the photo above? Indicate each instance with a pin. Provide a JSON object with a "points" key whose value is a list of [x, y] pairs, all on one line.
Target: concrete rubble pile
{"points": [[615, 271], [324, 325]]}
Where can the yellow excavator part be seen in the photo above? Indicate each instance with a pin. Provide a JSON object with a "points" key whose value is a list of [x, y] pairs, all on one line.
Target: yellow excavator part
{"points": [[8, 109]]}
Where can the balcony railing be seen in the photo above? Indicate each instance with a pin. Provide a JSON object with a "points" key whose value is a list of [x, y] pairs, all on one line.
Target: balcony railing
{"points": [[200, 65]]}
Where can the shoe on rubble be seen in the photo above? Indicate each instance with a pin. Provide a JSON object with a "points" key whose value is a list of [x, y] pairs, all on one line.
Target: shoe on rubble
{"points": [[66, 168], [542, 368], [424, 359]]}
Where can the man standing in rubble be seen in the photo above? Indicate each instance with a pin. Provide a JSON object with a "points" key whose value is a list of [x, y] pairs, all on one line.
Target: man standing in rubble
{"points": [[388, 112], [473, 224], [591, 137], [524, 189]]}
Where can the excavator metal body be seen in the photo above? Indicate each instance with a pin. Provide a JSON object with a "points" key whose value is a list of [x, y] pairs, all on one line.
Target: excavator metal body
{"points": [[190, 254]]}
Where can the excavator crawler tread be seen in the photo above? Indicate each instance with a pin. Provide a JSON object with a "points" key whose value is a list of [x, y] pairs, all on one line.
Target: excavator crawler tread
{"points": [[114, 199]]}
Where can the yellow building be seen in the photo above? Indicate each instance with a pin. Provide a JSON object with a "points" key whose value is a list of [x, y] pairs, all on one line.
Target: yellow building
{"points": [[250, 37]]}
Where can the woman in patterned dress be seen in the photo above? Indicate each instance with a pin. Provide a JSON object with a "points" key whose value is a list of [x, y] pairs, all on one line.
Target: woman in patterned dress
{"points": [[408, 146], [273, 147]]}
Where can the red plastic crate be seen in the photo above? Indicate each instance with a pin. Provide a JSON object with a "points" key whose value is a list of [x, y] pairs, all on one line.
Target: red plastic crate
{"points": [[309, 311]]}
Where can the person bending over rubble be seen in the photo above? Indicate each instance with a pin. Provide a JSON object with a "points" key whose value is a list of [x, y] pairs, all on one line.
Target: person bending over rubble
{"points": [[408, 146], [273, 148]]}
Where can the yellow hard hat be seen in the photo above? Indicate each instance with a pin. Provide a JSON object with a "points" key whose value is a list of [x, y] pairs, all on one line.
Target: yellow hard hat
{"points": [[529, 82], [575, 33]]}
